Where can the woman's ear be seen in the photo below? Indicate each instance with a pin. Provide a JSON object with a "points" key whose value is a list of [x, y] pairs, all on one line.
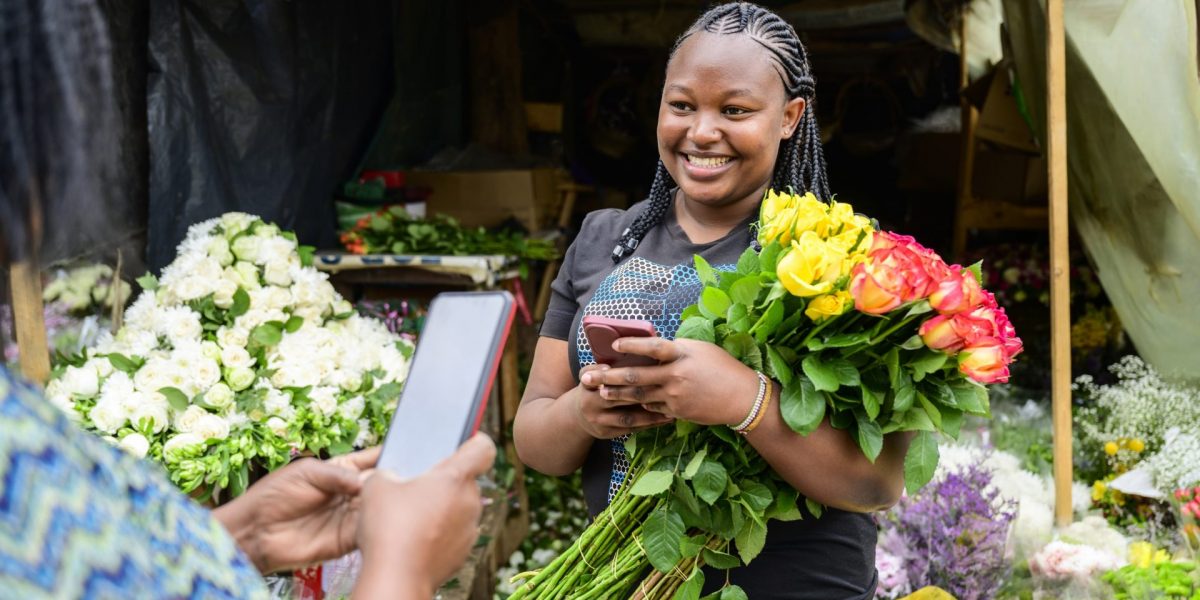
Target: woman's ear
{"points": [[792, 112]]}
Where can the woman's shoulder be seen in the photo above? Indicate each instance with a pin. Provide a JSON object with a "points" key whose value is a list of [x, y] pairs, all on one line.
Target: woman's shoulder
{"points": [[607, 224]]}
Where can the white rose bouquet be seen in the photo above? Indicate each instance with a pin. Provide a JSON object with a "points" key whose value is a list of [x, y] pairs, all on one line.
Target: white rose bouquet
{"points": [[239, 357]]}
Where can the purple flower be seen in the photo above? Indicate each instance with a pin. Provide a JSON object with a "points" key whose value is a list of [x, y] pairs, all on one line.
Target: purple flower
{"points": [[954, 534]]}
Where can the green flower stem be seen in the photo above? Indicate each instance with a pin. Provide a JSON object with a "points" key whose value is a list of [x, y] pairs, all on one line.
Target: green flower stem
{"points": [[883, 336]]}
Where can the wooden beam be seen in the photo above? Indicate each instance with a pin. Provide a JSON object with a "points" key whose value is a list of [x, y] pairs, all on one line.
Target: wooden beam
{"points": [[1060, 284], [966, 166], [29, 323]]}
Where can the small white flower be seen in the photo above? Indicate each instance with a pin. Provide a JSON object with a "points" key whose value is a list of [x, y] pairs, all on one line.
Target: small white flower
{"points": [[341, 307], [182, 441], [248, 275], [246, 248], [103, 366], [277, 273], [211, 426], [352, 408], [108, 416], [187, 420], [218, 250], [154, 410], [232, 337], [223, 291], [240, 378], [190, 288], [277, 403], [277, 426], [219, 395], [324, 400], [236, 356], [81, 381], [135, 444], [234, 223], [210, 350]]}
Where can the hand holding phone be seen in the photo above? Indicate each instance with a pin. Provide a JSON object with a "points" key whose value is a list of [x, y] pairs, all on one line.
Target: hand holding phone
{"points": [[601, 332]]}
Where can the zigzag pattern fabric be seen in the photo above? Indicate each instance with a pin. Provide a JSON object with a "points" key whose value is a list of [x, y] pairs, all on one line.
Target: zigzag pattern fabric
{"points": [[81, 519], [641, 289]]}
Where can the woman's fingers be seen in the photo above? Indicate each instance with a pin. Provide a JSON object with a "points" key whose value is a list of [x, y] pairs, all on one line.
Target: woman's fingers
{"points": [[629, 418], [664, 351], [628, 376]]}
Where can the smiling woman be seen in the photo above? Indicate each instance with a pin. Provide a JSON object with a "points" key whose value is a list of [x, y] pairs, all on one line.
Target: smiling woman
{"points": [[735, 119]]}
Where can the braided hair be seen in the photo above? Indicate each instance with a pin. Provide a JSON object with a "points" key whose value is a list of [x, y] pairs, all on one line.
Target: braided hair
{"points": [[800, 164]]}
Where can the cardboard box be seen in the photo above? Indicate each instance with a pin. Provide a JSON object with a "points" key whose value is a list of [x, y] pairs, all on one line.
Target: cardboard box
{"points": [[1008, 176], [489, 198], [1000, 120]]}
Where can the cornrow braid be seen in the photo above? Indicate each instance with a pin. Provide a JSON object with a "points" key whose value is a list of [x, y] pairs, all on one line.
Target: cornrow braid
{"points": [[801, 162]]}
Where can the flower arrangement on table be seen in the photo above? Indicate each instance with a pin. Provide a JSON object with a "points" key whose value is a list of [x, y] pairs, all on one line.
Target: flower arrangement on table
{"points": [[865, 328], [239, 357]]}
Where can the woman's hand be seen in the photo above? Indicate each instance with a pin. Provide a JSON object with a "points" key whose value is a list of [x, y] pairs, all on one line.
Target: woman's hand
{"points": [[606, 418], [415, 534], [697, 381], [301, 514]]}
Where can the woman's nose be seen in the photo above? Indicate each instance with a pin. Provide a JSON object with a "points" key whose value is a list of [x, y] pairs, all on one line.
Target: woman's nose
{"points": [[704, 130]]}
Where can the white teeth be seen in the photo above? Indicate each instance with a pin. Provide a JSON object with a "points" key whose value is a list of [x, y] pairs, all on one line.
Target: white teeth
{"points": [[708, 162]]}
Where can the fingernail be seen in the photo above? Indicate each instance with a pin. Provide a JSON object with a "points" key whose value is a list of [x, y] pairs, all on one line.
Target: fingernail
{"points": [[617, 345], [587, 378]]}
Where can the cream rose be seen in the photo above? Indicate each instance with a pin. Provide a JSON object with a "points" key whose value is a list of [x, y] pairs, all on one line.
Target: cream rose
{"points": [[277, 426], [218, 250], [108, 416], [324, 400], [211, 427], [82, 381], [187, 420], [219, 395], [181, 442], [239, 378], [135, 444], [277, 273], [154, 410], [236, 356], [246, 248]]}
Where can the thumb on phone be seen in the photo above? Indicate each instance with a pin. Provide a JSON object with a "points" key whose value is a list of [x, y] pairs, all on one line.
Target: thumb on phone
{"points": [[474, 458]]}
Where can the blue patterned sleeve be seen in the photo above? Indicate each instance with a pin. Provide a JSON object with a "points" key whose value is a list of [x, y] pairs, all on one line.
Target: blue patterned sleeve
{"points": [[81, 519]]}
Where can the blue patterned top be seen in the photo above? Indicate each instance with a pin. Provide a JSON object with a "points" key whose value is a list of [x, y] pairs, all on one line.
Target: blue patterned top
{"points": [[81, 519]]}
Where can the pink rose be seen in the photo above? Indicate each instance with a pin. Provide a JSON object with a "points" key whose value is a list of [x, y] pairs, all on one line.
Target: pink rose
{"points": [[956, 293]]}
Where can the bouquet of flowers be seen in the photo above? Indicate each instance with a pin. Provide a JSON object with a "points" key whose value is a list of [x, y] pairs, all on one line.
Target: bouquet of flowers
{"points": [[868, 329], [241, 356], [86, 289]]}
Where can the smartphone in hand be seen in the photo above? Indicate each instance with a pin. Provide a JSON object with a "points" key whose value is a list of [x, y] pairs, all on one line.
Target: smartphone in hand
{"points": [[601, 332]]}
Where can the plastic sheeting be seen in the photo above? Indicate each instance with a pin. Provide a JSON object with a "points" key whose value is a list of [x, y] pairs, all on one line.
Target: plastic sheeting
{"points": [[1133, 109], [260, 106]]}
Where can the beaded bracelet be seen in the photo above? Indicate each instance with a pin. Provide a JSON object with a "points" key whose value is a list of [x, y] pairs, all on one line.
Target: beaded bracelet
{"points": [[762, 412], [758, 402]]}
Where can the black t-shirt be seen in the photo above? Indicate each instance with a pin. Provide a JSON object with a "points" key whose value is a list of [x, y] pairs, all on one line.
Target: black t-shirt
{"points": [[826, 558]]}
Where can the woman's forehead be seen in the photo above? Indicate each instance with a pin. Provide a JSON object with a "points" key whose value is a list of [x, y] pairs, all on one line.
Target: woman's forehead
{"points": [[719, 62]]}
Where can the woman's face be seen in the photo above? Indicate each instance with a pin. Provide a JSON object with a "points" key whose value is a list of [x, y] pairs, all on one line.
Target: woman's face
{"points": [[723, 113]]}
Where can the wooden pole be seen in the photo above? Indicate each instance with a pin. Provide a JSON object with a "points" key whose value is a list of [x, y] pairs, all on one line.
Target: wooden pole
{"points": [[1060, 284], [966, 166], [29, 323]]}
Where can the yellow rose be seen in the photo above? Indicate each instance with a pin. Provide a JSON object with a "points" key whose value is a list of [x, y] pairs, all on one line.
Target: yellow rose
{"points": [[829, 305], [811, 215], [778, 228], [773, 204], [810, 267]]}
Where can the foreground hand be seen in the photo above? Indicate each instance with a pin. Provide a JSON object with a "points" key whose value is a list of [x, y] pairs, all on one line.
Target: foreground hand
{"points": [[606, 418], [419, 532], [697, 381], [304, 513]]}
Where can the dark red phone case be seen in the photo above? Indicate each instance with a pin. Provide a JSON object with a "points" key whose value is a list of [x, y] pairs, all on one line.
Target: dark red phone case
{"points": [[601, 332]]}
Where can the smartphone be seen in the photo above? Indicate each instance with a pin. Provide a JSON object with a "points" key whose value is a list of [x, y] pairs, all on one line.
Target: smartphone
{"points": [[449, 380], [601, 332]]}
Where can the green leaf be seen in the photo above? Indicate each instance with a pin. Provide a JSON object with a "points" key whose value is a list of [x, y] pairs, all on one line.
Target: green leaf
{"points": [[738, 317], [750, 540], [768, 259], [777, 367], [714, 303], [241, 303], [684, 428], [895, 375], [691, 546], [847, 374], [707, 275], [719, 560], [971, 397], [926, 363], [915, 419], [121, 362], [694, 465], [934, 414], [918, 308], [709, 481], [869, 436], [175, 397], [689, 312], [652, 483], [747, 263], [267, 334], [757, 495], [784, 507], [697, 328], [814, 507], [148, 282], [952, 421], [823, 377], [742, 347], [921, 462], [906, 395], [777, 291], [846, 340], [690, 590], [870, 402], [729, 592], [913, 343], [661, 537], [977, 270], [294, 323], [687, 504], [745, 290], [802, 406], [306, 255], [631, 445], [769, 322]]}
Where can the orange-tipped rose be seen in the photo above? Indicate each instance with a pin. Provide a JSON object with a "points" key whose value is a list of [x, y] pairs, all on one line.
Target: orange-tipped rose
{"points": [[877, 291], [958, 292], [985, 362], [939, 333]]}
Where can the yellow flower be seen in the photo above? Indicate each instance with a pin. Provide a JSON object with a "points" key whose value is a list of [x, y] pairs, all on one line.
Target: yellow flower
{"points": [[811, 215], [778, 228], [810, 267], [1137, 445], [1098, 489], [773, 204], [828, 305], [1143, 555], [1111, 448]]}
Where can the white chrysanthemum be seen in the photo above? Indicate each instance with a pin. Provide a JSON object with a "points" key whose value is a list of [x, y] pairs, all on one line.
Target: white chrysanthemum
{"points": [[135, 444], [119, 388], [365, 437], [81, 381], [108, 416], [179, 324], [278, 250], [324, 400], [237, 420], [352, 408]]}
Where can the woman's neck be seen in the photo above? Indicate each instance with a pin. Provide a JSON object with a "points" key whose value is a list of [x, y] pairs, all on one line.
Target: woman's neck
{"points": [[704, 223]]}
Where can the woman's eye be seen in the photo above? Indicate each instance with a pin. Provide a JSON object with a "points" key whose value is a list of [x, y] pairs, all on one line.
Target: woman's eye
{"points": [[679, 105], [735, 111]]}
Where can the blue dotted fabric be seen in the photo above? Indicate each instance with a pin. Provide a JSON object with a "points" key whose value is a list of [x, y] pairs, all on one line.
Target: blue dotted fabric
{"points": [[641, 289]]}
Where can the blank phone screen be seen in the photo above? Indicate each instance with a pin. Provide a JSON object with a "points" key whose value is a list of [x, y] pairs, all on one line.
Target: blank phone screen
{"points": [[448, 380]]}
